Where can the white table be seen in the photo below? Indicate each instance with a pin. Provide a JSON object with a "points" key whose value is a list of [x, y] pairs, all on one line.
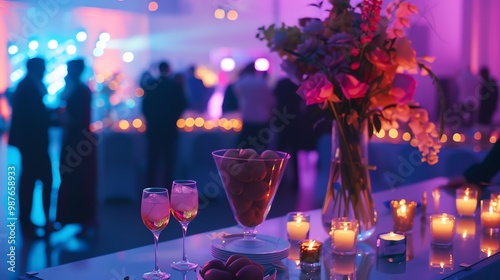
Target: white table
{"points": [[136, 261]]}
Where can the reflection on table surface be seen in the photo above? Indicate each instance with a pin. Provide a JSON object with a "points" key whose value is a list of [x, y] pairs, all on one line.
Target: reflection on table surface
{"points": [[472, 246]]}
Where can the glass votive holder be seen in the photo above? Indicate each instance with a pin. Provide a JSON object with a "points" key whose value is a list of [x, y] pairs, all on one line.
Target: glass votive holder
{"points": [[297, 226], [466, 227], [441, 258], [344, 235], [309, 255], [466, 201], [403, 213], [391, 246], [490, 214], [442, 229]]}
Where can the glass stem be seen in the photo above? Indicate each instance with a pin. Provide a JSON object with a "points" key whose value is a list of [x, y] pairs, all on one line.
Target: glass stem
{"points": [[157, 236], [184, 230]]}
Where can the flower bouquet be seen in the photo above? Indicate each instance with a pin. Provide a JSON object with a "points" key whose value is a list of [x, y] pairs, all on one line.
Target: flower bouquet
{"points": [[356, 64]]}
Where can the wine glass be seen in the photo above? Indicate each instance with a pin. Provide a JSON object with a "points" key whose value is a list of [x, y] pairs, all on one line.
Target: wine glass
{"points": [[184, 207], [155, 214]]}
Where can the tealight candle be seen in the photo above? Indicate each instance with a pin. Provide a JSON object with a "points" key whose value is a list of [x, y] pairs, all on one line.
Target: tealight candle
{"points": [[403, 214], [490, 217], [466, 201], [442, 229], [297, 226], [343, 236], [391, 246], [310, 251]]}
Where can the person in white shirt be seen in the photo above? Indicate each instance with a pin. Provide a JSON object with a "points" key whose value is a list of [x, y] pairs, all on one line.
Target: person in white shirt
{"points": [[256, 101]]}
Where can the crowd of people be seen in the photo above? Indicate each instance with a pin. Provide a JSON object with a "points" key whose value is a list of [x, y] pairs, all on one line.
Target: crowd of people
{"points": [[273, 117], [29, 132]]}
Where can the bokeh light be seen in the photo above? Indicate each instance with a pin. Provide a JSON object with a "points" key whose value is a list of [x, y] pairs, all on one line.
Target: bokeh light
{"points": [[81, 36], [52, 44], [261, 64], [128, 57], [219, 13], [232, 15], [104, 36], [153, 6], [227, 64], [13, 49], [71, 49], [33, 45]]}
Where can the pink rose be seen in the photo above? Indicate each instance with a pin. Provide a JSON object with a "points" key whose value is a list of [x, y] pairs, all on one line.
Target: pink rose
{"points": [[316, 89], [403, 88], [351, 87]]}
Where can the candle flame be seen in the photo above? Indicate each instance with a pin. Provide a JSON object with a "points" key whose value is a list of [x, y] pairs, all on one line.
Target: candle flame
{"points": [[345, 228], [466, 198], [441, 264], [467, 192], [464, 235], [491, 210], [403, 208], [299, 220], [311, 245], [402, 201]]}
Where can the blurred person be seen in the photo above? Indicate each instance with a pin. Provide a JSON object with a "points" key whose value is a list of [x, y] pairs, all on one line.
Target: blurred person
{"points": [[162, 107], [230, 102], [488, 98], [29, 133], [198, 94], [480, 174], [256, 101], [289, 135], [468, 83], [76, 201]]}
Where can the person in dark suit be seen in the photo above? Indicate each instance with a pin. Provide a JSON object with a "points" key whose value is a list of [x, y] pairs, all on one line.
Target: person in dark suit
{"points": [[77, 201], [290, 134], [480, 174], [162, 106], [29, 133], [488, 98]]}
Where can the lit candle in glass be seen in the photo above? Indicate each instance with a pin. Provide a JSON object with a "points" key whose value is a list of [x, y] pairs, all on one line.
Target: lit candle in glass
{"points": [[490, 217], [442, 229], [297, 226], [344, 233], [403, 214], [310, 252], [466, 201], [466, 227]]}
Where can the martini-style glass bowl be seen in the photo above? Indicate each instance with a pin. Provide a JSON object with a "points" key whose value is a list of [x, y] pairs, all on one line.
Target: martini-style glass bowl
{"points": [[250, 181]]}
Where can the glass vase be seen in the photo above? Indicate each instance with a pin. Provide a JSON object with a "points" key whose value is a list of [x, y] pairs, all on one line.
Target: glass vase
{"points": [[349, 193]]}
